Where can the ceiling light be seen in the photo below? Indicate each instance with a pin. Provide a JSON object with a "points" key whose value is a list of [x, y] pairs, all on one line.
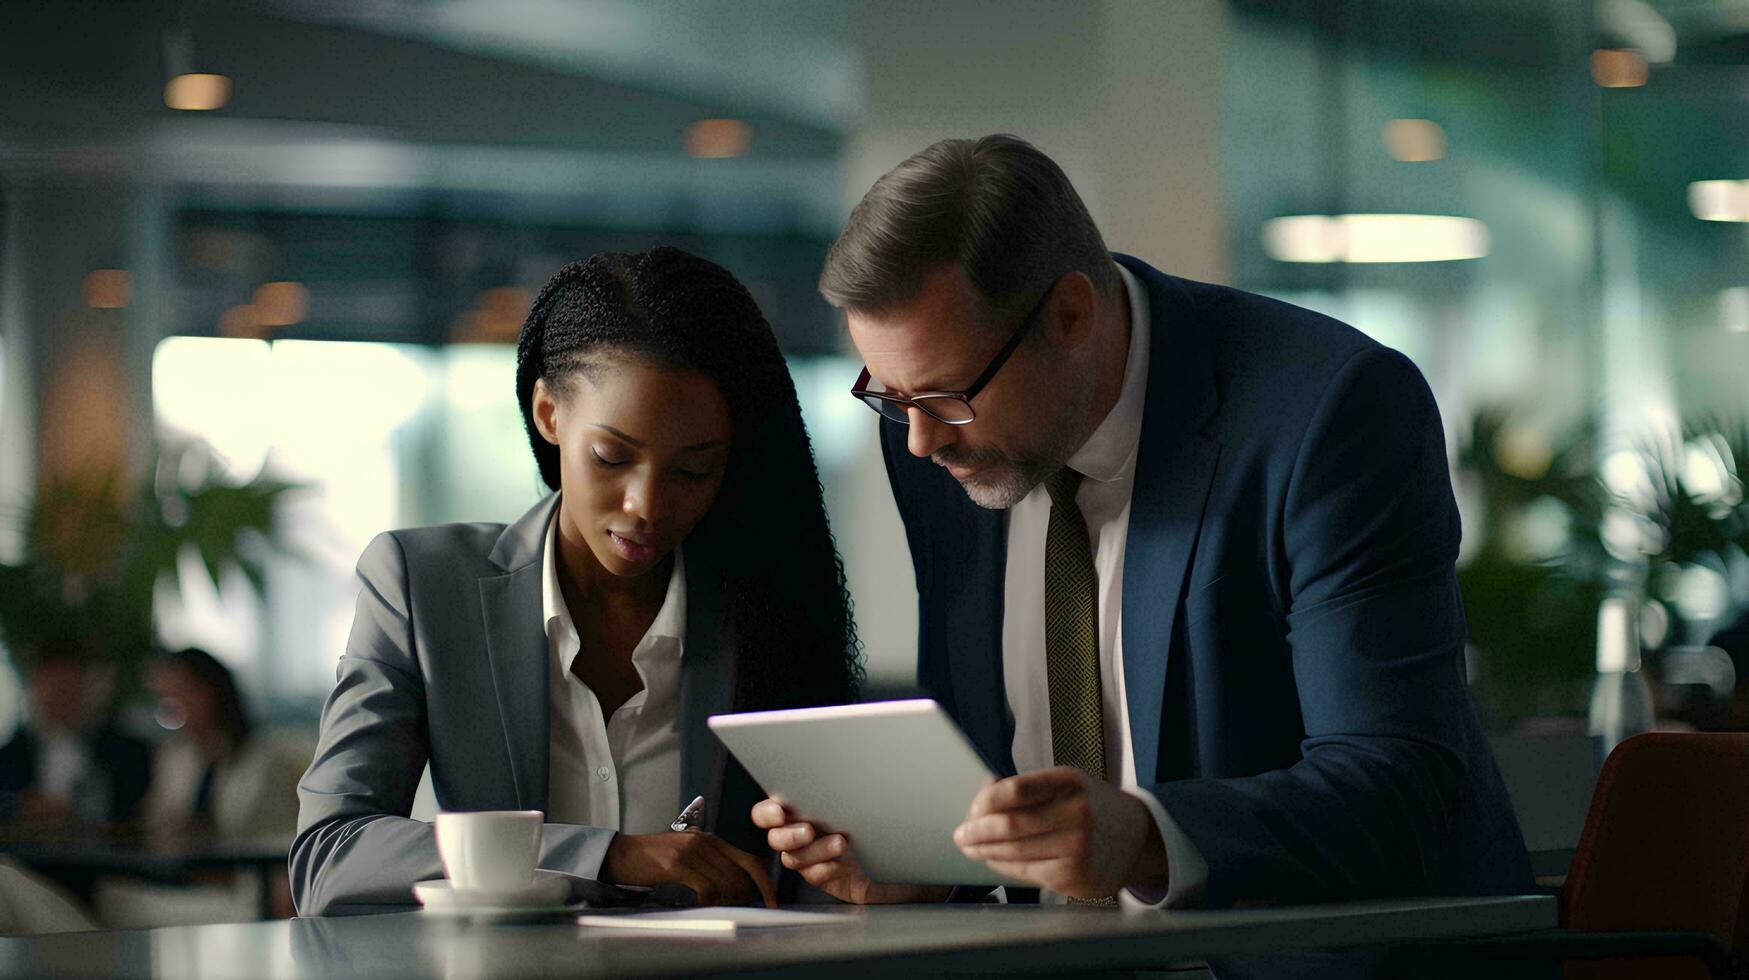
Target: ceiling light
{"points": [[714, 139], [1619, 68], [1719, 200], [1414, 140], [1374, 238], [280, 304], [107, 289], [197, 92]]}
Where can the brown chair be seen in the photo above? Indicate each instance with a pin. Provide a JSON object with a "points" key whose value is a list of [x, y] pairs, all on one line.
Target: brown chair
{"points": [[1659, 885]]}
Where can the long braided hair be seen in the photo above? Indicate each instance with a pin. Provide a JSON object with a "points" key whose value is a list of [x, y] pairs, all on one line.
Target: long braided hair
{"points": [[765, 537]]}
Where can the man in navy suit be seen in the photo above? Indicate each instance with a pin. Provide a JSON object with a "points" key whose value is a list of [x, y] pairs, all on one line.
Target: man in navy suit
{"points": [[1184, 563]]}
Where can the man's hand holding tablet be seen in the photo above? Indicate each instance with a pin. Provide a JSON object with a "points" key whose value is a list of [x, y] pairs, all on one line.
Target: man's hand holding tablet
{"points": [[1066, 831], [894, 791], [1057, 828]]}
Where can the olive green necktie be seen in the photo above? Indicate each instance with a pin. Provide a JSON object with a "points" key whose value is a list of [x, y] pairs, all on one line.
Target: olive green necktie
{"points": [[1072, 633], [1072, 638]]}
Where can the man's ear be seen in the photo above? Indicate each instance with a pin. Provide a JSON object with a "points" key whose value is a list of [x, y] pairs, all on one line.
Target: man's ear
{"points": [[1069, 312], [545, 409]]}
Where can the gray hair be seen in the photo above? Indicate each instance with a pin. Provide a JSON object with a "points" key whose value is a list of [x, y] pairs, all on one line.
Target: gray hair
{"points": [[998, 208]]}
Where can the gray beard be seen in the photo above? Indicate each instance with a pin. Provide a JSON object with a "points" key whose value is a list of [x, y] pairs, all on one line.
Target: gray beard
{"points": [[1003, 480], [1002, 485]]}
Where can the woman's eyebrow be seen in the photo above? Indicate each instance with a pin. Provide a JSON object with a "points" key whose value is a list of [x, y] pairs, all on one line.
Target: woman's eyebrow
{"points": [[610, 430], [695, 447]]}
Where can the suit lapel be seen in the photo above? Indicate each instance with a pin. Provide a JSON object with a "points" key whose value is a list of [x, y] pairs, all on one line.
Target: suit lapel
{"points": [[1165, 516], [516, 644], [707, 687], [1175, 467], [974, 611], [961, 565]]}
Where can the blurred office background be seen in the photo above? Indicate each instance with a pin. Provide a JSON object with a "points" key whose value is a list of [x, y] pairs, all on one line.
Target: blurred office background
{"points": [[263, 262]]}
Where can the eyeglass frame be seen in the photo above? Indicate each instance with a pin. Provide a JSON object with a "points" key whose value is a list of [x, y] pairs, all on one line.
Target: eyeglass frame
{"points": [[862, 394]]}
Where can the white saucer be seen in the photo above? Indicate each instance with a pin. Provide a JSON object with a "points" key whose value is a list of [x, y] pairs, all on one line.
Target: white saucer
{"points": [[544, 895], [527, 913]]}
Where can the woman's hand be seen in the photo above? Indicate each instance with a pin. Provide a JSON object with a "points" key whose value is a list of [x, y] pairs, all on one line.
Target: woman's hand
{"points": [[717, 872], [825, 861]]}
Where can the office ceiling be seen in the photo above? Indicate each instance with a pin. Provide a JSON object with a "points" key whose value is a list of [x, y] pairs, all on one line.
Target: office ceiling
{"points": [[793, 58], [1520, 33], [595, 76]]}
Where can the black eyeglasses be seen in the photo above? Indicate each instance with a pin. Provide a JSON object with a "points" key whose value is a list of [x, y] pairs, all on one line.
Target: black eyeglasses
{"points": [[951, 407]]}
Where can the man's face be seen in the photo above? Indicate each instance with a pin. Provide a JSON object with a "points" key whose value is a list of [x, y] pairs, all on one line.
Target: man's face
{"points": [[1029, 416]]}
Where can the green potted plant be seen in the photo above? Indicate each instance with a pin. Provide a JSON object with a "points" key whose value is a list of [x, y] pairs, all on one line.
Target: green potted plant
{"points": [[95, 552], [1688, 489], [1533, 577]]}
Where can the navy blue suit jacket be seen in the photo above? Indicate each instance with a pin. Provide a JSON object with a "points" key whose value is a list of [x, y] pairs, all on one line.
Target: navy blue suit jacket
{"points": [[1292, 632]]}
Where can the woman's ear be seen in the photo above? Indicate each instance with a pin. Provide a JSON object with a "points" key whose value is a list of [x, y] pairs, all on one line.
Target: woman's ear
{"points": [[545, 409]]}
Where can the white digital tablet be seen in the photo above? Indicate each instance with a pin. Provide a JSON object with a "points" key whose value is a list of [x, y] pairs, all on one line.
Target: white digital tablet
{"points": [[896, 777]]}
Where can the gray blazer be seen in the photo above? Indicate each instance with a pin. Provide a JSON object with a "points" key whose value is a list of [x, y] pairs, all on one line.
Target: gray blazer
{"points": [[447, 663]]}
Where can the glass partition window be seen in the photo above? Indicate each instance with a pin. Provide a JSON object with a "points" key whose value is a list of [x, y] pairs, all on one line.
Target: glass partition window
{"points": [[377, 436]]}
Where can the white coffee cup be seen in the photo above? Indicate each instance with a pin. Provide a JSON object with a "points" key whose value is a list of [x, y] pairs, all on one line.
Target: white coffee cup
{"points": [[489, 849]]}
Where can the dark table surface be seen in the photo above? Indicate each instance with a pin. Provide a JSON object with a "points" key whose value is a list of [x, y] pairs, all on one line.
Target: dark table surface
{"points": [[895, 940]]}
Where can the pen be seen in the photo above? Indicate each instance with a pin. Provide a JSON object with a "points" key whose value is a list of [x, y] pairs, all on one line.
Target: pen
{"points": [[690, 817]]}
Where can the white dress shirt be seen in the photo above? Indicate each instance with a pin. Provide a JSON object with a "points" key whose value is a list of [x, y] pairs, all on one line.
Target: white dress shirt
{"points": [[62, 761], [254, 794], [621, 772], [1108, 462]]}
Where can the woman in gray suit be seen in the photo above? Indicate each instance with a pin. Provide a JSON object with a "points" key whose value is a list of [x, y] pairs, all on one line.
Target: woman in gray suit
{"points": [[567, 662]]}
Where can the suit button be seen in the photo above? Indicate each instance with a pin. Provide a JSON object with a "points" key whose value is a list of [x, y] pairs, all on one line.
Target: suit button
{"points": [[602, 772]]}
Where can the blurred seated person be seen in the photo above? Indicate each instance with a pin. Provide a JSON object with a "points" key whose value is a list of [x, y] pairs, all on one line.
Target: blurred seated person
{"points": [[215, 775], [215, 780], [68, 764]]}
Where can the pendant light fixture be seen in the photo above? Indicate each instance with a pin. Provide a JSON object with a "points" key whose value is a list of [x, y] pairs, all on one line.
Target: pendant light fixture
{"points": [[185, 88], [1368, 237]]}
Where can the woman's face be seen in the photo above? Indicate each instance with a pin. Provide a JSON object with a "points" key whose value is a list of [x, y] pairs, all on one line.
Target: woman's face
{"points": [[642, 450], [185, 698]]}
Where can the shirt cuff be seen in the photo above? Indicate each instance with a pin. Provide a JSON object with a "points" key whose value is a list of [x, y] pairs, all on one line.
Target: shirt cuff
{"points": [[1187, 870]]}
